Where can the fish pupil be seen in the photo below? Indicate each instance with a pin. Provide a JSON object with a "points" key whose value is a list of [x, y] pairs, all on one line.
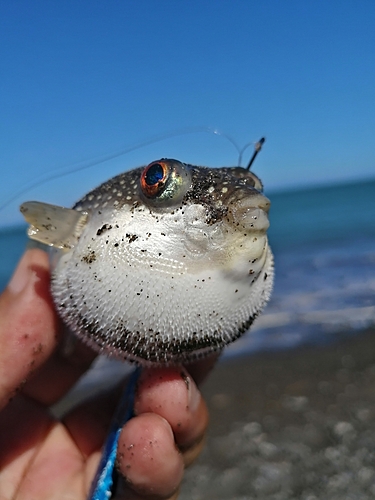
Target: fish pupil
{"points": [[154, 174]]}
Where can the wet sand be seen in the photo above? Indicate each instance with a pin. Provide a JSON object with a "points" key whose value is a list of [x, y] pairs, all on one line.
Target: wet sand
{"points": [[297, 424]]}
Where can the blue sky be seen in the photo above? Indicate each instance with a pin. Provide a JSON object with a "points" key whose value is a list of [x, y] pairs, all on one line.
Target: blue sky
{"points": [[82, 79]]}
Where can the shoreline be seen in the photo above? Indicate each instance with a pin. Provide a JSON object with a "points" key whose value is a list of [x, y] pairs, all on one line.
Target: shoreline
{"points": [[292, 424]]}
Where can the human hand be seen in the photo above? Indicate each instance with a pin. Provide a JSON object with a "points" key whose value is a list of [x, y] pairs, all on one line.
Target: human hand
{"points": [[44, 458]]}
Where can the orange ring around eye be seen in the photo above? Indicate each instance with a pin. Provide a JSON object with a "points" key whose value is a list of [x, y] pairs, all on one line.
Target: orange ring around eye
{"points": [[153, 178]]}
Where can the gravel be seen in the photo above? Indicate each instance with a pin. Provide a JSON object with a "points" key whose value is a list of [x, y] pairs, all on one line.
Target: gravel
{"points": [[290, 425]]}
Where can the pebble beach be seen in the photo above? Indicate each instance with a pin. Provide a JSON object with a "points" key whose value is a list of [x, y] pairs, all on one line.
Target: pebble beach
{"points": [[296, 424]]}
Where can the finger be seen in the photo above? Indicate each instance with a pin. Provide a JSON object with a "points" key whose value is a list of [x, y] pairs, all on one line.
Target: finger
{"points": [[148, 458], [169, 392], [60, 372], [172, 394], [20, 440], [155, 465], [88, 424], [29, 334], [38, 458], [28, 323]]}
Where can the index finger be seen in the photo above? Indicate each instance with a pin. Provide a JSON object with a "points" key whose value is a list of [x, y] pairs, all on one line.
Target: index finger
{"points": [[28, 323], [30, 332]]}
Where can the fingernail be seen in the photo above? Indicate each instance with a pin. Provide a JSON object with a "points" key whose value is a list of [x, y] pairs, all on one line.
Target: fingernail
{"points": [[194, 395], [21, 276]]}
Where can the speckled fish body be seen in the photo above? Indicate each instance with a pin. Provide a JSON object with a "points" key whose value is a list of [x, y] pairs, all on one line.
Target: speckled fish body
{"points": [[165, 263]]}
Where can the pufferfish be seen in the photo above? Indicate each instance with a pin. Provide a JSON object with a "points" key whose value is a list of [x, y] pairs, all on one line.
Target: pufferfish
{"points": [[162, 264]]}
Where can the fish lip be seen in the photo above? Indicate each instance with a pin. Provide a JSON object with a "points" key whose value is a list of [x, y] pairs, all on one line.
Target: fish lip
{"points": [[259, 201], [252, 213]]}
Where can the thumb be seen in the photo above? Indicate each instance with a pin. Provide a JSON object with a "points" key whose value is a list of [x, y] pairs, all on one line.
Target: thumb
{"points": [[28, 324]]}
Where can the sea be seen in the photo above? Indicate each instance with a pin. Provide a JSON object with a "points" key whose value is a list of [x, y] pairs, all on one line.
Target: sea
{"points": [[323, 240]]}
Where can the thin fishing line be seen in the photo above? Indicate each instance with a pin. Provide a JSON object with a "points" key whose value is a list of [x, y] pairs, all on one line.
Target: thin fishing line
{"points": [[77, 167]]}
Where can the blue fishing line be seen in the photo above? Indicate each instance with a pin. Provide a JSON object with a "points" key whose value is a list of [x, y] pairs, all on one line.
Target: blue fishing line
{"points": [[102, 485]]}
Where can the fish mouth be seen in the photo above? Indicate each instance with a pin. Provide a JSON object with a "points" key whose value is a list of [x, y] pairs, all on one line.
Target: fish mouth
{"points": [[251, 213]]}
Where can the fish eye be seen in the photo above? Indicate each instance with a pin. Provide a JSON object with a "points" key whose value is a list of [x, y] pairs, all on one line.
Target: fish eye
{"points": [[165, 182], [153, 178]]}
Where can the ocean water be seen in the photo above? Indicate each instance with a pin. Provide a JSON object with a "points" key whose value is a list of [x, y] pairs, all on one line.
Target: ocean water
{"points": [[323, 240]]}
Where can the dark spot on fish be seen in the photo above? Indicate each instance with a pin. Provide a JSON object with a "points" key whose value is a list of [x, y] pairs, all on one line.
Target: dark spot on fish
{"points": [[49, 227], [103, 229], [89, 258], [131, 237]]}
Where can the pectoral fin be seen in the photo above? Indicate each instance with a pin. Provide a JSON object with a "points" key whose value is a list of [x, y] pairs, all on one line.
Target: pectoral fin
{"points": [[52, 225]]}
